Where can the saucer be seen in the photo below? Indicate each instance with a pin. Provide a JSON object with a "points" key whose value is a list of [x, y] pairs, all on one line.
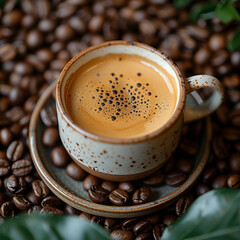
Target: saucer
{"points": [[72, 192]]}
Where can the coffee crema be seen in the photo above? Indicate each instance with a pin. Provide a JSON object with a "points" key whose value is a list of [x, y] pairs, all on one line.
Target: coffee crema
{"points": [[121, 96]]}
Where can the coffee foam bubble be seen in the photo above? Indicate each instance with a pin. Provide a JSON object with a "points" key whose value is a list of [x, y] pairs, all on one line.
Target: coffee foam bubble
{"points": [[116, 95]]}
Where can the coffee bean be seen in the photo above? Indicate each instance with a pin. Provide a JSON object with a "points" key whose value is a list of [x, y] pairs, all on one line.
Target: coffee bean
{"points": [[109, 185], [98, 194], [34, 39], [189, 147], [50, 137], [40, 189], [234, 181], [59, 157], [111, 224], [235, 117], [21, 203], [12, 19], [64, 32], [220, 147], [2, 198], [51, 210], [219, 182], [23, 68], [217, 42], [222, 166], [89, 181], [175, 178], [7, 209], [22, 167], [142, 227], [202, 56], [201, 189], [7, 52], [197, 32], [4, 167], [209, 174], [30, 104], [33, 198], [158, 230], [52, 201], [16, 185], [126, 186], [122, 234], [129, 224], [235, 162], [15, 150], [144, 236], [155, 179], [71, 211], [118, 197], [169, 219], [5, 136], [185, 165], [85, 216], [75, 172], [141, 195], [182, 204], [17, 96]]}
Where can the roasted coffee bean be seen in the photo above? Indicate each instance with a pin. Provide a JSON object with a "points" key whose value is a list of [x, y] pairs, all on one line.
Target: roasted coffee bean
{"points": [[64, 32], [75, 172], [23, 68], [15, 150], [52, 201], [4, 104], [222, 166], [141, 195], [98, 194], [220, 147], [144, 236], [98, 220], [35, 210], [185, 165], [201, 189], [34, 39], [118, 197], [4, 167], [217, 42], [169, 219], [235, 117], [71, 211], [219, 182], [17, 96], [7, 52], [197, 32], [22, 167], [7, 209], [111, 224], [2, 155], [155, 179], [89, 181], [189, 147], [12, 19], [209, 174], [129, 224], [51, 210], [50, 137], [182, 204], [40, 189], [59, 157], [126, 186], [234, 162], [142, 227], [21, 203], [231, 134], [30, 104], [175, 178], [2, 198], [158, 230], [234, 181], [122, 234], [33, 198], [109, 185], [16, 185], [154, 218]]}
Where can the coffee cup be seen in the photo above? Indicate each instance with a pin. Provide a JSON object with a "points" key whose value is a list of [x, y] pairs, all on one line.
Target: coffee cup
{"points": [[121, 107]]}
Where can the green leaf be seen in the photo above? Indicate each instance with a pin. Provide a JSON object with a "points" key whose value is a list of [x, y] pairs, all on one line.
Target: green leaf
{"points": [[234, 43], [213, 216], [49, 227], [226, 12], [204, 10], [181, 3]]}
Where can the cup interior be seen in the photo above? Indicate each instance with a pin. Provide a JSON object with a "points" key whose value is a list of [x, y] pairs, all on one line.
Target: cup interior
{"points": [[123, 47]]}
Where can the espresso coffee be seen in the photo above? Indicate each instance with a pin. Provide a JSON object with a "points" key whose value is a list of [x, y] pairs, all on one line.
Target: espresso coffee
{"points": [[121, 96]]}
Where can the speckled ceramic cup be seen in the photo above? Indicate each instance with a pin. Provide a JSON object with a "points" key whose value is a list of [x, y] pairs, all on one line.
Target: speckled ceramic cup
{"points": [[131, 158]]}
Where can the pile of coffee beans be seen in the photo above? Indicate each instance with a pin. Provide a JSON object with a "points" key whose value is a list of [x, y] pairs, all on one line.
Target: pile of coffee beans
{"points": [[37, 38]]}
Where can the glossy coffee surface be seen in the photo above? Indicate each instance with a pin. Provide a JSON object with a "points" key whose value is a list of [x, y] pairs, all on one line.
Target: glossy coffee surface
{"points": [[120, 96]]}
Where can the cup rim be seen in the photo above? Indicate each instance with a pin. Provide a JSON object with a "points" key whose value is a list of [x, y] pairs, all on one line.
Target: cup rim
{"points": [[178, 109]]}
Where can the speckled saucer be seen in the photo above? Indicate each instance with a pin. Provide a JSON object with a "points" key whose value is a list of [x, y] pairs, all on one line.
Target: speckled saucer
{"points": [[71, 191]]}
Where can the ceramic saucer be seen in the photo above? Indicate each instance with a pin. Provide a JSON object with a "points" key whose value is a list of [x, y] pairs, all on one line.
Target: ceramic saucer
{"points": [[71, 191]]}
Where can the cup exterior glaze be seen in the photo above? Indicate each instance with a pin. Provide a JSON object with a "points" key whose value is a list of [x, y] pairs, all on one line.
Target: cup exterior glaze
{"points": [[120, 159]]}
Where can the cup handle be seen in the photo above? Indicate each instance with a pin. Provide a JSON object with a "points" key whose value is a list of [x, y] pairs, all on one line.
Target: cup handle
{"points": [[205, 107]]}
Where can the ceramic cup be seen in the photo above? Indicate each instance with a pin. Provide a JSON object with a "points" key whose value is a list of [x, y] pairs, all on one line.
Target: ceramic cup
{"points": [[132, 158]]}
